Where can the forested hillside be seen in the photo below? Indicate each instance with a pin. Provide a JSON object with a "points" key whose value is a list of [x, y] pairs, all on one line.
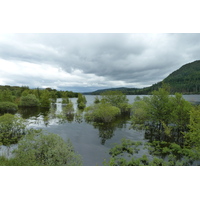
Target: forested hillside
{"points": [[186, 79]]}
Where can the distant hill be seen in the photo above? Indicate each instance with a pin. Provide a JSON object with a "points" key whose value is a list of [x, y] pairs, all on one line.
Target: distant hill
{"points": [[123, 89], [185, 80]]}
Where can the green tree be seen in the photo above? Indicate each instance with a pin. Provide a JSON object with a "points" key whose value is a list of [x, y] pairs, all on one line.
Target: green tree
{"points": [[192, 137], [159, 106], [29, 101], [45, 99], [6, 96], [12, 128], [180, 114], [8, 107], [102, 112], [53, 96], [117, 99], [96, 100], [39, 149], [161, 112], [69, 108], [81, 101]]}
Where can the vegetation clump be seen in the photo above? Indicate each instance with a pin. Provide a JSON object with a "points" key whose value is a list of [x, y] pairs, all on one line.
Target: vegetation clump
{"points": [[29, 100], [40, 149], [69, 108], [117, 99], [12, 128], [81, 101], [45, 101], [8, 107], [102, 112]]}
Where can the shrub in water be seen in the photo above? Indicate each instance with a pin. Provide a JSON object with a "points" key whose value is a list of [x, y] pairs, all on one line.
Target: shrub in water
{"points": [[8, 107], [29, 101], [102, 112]]}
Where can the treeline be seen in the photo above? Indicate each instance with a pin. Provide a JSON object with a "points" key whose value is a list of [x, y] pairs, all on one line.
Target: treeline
{"points": [[12, 97]]}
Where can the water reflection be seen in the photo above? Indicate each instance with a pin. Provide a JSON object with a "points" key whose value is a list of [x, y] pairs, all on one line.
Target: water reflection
{"points": [[106, 130]]}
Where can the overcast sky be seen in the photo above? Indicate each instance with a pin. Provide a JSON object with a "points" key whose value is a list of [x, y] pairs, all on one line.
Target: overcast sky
{"points": [[87, 62]]}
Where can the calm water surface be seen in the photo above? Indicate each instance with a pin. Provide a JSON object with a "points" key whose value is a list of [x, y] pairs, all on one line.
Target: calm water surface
{"points": [[91, 142]]}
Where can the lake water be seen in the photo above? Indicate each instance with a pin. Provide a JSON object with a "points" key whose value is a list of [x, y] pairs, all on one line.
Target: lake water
{"points": [[91, 142]]}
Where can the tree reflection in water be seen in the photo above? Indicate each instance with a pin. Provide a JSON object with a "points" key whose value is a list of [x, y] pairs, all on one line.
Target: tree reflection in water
{"points": [[106, 130]]}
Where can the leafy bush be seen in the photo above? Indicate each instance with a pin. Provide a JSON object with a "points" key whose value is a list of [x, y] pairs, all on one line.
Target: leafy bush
{"points": [[29, 101], [117, 99], [45, 99], [8, 107], [12, 128], [39, 149], [102, 112], [81, 101], [69, 108], [65, 100]]}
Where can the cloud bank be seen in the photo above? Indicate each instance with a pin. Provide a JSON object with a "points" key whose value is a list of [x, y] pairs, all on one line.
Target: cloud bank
{"points": [[87, 62]]}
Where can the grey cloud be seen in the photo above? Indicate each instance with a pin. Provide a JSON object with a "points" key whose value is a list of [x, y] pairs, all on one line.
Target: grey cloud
{"points": [[140, 59]]}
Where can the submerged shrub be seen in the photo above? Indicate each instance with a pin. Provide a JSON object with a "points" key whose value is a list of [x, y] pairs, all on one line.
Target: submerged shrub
{"points": [[8, 107], [49, 149], [81, 101], [117, 99], [102, 112], [29, 101], [12, 128], [68, 109]]}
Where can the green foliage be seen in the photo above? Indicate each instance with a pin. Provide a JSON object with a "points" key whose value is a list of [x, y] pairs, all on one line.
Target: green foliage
{"points": [[126, 146], [41, 149], [81, 101], [96, 100], [140, 113], [102, 112], [8, 107], [166, 119], [69, 108], [65, 100], [45, 99], [6, 96], [12, 128], [159, 106], [193, 135], [29, 100], [53, 96], [180, 111], [26, 92], [162, 112], [117, 99]]}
